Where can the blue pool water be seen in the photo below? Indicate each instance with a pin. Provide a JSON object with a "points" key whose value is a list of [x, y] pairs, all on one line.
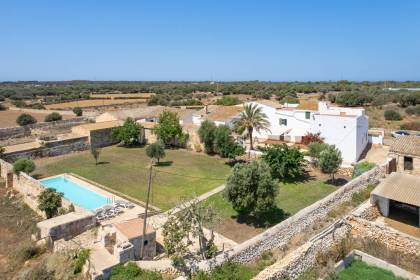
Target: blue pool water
{"points": [[75, 193]]}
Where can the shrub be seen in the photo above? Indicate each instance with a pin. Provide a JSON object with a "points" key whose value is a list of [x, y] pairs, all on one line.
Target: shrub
{"points": [[26, 251], [50, 201], [315, 149], [53, 117], [80, 260], [413, 110], [228, 100], [312, 137], [284, 162], [392, 115], [230, 270], [211, 249], [78, 111], [23, 165], [25, 119], [132, 271], [362, 167], [411, 126]]}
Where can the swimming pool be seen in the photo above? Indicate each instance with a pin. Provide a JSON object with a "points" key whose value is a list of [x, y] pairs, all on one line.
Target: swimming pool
{"points": [[75, 193]]}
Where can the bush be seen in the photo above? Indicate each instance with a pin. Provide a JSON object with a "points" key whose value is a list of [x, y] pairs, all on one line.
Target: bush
{"points": [[392, 115], [362, 167], [78, 111], [23, 165], [231, 271], [80, 260], [132, 271], [312, 137], [207, 132], [50, 201], [53, 117], [413, 110], [315, 149], [26, 252], [25, 119], [411, 126], [284, 162], [228, 100]]}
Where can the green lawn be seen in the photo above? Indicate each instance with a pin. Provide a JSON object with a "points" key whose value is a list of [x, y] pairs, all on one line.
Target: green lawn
{"points": [[181, 174], [292, 197], [360, 270]]}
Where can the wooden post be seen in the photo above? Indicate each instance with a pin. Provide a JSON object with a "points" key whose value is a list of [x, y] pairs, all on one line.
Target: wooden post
{"points": [[146, 209]]}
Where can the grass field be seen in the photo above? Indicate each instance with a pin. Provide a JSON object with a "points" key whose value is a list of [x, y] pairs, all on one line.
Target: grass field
{"points": [[180, 175], [8, 117], [292, 197], [360, 270]]}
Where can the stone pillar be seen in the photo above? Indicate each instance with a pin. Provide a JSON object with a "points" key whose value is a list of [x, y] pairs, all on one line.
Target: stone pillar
{"points": [[383, 204], [9, 180]]}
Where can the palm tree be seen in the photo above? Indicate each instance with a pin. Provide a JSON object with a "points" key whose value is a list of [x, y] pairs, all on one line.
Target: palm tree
{"points": [[252, 118]]}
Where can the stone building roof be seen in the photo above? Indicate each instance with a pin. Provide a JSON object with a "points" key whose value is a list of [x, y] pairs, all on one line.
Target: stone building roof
{"points": [[308, 104], [401, 187], [270, 103], [407, 145], [224, 113], [133, 228]]}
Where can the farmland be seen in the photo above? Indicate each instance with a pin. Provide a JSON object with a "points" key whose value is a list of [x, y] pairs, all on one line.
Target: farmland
{"points": [[93, 103], [8, 118]]}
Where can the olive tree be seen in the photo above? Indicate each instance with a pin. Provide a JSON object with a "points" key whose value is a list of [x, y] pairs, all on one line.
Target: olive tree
{"points": [[330, 160], [156, 150]]}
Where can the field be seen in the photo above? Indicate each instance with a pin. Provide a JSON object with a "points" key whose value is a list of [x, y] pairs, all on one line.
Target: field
{"points": [[8, 118], [180, 174], [92, 103], [361, 270], [377, 119], [291, 198]]}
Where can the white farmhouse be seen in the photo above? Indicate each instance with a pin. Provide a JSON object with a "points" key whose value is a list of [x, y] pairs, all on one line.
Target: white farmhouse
{"points": [[346, 128]]}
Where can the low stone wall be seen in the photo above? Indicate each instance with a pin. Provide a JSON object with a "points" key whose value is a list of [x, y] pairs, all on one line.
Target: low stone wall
{"points": [[382, 242], [279, 235], [27, 186], [21, 131], [102, 137], [51, 148], [305, 257]]}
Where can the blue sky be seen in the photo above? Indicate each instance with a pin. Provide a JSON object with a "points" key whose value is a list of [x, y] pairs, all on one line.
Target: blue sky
{"points": [[205, 40]]}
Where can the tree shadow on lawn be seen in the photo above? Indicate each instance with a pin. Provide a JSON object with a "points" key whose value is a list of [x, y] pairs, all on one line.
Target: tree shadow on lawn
{"points": [[305, 177], [103, 162], [338, 182], [266, 220], [164, 163]]}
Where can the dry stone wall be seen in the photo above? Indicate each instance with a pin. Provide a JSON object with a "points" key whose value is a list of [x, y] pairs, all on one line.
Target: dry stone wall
{"points": [[51, 148], [22, 131], [279, 235]]}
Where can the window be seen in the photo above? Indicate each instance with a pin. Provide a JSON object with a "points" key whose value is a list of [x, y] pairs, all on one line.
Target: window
{"points": [[283, 122], [146, 242], [307, 115]]}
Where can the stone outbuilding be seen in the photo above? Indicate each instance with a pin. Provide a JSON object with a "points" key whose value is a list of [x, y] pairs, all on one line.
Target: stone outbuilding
{"points": [[406, 151], [398, 192], [123, 240]]}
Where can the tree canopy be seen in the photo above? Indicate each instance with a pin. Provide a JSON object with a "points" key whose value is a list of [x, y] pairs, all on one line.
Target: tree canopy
{"points": [[129, 133], [49, 201], [169, 129], [251, 189]]}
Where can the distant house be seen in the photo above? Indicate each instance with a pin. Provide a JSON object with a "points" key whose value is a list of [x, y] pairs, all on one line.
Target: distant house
{"points": [[399, 195], [346, 128], [406, 151], [220, 115]]}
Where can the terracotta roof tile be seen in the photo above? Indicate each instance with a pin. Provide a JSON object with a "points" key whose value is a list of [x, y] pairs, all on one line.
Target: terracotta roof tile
{"points": [[409, 145]]}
